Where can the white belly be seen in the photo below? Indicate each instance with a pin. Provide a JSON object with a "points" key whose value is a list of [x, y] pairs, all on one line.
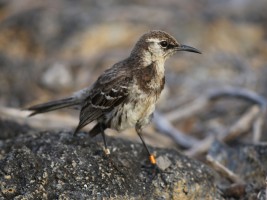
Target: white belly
{"points": [[137, 110]]}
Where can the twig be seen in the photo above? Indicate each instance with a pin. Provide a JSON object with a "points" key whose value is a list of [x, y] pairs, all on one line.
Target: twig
{"points": [[201, 147], [224, 171], [252, 118], [202, 102], [257, 128], [164, 126], [245, 94], [190, 109], [242, 125], [237, 129], [255, 114]]}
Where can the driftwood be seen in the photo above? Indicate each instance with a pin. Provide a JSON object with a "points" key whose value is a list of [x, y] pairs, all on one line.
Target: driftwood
{"points": [[253, 118], [165, 127], [202, 102], [224, 171], [233, 132]]}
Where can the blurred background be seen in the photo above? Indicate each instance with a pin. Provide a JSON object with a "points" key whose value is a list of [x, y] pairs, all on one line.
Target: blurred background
{"points": [[49, 49]]}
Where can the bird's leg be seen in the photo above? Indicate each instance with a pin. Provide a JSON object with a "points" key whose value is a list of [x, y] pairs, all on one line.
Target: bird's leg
{"points": [[106, 150], [152, 158]]}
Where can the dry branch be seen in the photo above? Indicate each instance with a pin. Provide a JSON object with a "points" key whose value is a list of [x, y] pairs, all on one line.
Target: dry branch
{"points": [[202, 102], [257, 128], [164, 126], [252, 118], [241, 126], [224, 171], [190, 109], [235, 131]]}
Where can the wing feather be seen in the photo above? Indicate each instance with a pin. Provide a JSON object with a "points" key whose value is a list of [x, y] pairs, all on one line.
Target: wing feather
{"points": [[109, 91]]}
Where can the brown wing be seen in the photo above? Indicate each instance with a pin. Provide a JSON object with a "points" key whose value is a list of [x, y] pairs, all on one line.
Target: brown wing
{"points": [[110, 90]]}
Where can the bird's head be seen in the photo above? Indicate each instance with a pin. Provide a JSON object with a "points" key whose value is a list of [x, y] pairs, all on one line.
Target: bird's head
{"points": [[156, 45]]}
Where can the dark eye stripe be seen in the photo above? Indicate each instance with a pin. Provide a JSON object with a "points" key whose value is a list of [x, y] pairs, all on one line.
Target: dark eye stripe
{"points": [[170, 46]]}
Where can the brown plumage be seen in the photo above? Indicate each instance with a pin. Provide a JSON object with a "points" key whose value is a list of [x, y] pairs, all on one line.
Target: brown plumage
{"points": [[124, 95]]}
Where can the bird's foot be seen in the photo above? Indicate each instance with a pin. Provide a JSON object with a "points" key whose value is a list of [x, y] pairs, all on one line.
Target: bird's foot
{"points": [[151, 167], [106, 151]]}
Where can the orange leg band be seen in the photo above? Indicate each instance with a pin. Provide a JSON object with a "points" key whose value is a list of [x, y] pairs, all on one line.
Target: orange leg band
{"points": [[152, 159]]}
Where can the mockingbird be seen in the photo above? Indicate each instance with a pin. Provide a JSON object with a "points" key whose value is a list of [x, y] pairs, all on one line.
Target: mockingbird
{"points": [[124, 95]]}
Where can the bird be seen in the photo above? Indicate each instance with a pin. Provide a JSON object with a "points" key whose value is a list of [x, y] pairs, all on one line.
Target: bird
{"points": [[124, 95]]}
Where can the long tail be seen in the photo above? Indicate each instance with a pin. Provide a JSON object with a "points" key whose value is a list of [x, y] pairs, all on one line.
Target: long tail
{"points": [[53, 105]]}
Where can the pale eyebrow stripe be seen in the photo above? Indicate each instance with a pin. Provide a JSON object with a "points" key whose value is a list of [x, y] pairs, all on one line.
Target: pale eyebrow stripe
{"points": [[153, 40]]}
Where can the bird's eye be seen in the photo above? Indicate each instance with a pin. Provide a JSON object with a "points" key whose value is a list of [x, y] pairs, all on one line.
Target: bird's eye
{"points": [[164, 44]]}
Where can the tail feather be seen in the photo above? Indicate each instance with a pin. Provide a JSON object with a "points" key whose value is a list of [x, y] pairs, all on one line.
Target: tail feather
{"points": [[53, 105], [95, 130]]}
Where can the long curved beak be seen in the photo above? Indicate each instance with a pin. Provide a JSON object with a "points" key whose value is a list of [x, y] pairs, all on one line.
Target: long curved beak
{"points": [[183, 47]]}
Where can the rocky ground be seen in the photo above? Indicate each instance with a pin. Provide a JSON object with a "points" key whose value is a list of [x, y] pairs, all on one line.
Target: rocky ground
{"points": [[56, 165], [48, 49]]}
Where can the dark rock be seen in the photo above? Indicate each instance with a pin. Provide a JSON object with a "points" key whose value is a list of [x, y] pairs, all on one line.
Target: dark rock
{"points": [[56, 165]]}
